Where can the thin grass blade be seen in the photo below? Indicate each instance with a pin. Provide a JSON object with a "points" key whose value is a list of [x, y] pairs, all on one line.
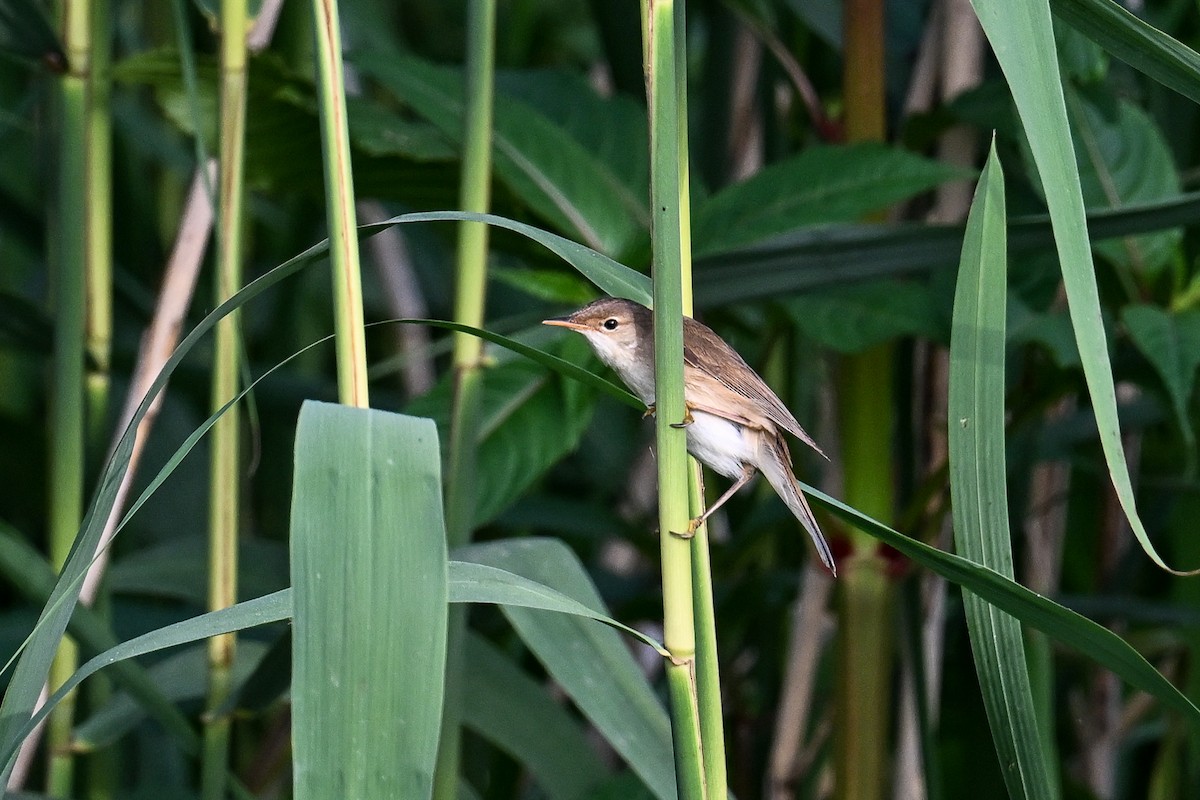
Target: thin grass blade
{"points": [[979, 491]]}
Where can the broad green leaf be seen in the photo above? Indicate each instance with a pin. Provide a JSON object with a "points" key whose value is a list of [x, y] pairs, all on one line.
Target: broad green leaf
{"points": [[380, 132], [590, 662], [1124, 159], [539, 161], [1050, 329], [613, 129], [531, 418], [854, 317], [979, 489], [1021, 35], [370, 615], [510, 709], [821, 185], [1171, 343], [553, 286], [845, 253], [1135, 41], [395, 158]]}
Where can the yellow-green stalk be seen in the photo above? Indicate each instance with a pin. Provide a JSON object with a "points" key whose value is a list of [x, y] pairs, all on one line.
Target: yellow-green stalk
{"points": [[339, 208], [225, 464], [470, 294], [101, 775], [99, 224], [707, 673], [67, 405], [865, 419], [664, 30]]}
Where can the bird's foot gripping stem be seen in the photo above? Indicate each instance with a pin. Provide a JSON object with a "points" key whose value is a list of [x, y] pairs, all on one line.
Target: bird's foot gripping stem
{"points": [[688, 419], [690, 533]]}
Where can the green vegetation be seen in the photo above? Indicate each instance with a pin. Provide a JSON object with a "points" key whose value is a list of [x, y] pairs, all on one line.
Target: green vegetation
{"points": [[957, 246]]}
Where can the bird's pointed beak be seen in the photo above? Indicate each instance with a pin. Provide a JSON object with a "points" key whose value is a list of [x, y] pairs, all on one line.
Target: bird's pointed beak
{"points": [[564, 322]]}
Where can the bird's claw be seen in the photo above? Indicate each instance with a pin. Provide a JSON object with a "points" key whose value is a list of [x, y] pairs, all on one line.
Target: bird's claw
{"points": [[649, 412], [688, 419], [689, 533]]}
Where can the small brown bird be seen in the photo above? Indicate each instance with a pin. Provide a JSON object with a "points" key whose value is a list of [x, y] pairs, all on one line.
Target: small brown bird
{"points": [[734, 421]]}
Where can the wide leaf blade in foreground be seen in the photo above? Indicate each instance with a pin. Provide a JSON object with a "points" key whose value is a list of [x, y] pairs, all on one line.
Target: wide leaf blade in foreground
{"points": [[370, 593]]}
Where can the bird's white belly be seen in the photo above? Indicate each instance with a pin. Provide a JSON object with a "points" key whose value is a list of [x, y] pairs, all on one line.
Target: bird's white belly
{"points": [[722, 445]]}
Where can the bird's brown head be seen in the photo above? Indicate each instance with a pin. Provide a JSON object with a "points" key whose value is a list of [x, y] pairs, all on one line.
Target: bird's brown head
{"points": [[620, 331]]}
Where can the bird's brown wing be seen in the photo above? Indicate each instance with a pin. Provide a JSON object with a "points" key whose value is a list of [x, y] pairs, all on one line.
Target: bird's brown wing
{"points": [[703, 351]]}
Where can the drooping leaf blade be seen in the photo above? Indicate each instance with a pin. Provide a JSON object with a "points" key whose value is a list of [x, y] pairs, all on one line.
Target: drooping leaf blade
{"points": [[1072, 629], [1021, 35]]}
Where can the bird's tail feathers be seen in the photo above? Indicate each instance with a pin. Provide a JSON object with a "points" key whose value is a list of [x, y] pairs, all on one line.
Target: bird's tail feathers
{"points": [[776, 467]]}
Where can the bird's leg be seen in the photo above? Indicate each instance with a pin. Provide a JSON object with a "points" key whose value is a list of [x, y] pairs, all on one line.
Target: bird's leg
{"points": [[649, 412], [688, 419], [747, 474]]}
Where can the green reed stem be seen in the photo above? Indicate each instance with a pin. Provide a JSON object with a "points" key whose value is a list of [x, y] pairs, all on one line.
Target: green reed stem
{"points": [[708, 674], [101, 767], [339, 209], [99, 322], [224, 465], [866, 411], [670, 239], [67, 405], [469, 302]]}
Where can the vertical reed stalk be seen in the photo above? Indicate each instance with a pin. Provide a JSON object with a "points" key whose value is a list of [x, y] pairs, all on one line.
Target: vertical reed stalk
{"points": [[866, 418], [101, 766], [340, 214], [670, 239], [469, 300], [708, 673], [67, 407], [99, 222], [224, 466]]}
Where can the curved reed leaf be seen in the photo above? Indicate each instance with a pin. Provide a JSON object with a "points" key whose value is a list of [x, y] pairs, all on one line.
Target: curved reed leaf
{"points": [[1022, 36]]}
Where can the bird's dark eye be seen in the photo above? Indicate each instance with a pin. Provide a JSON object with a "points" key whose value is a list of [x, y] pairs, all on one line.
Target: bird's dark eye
{"points": [[610, 324]]}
